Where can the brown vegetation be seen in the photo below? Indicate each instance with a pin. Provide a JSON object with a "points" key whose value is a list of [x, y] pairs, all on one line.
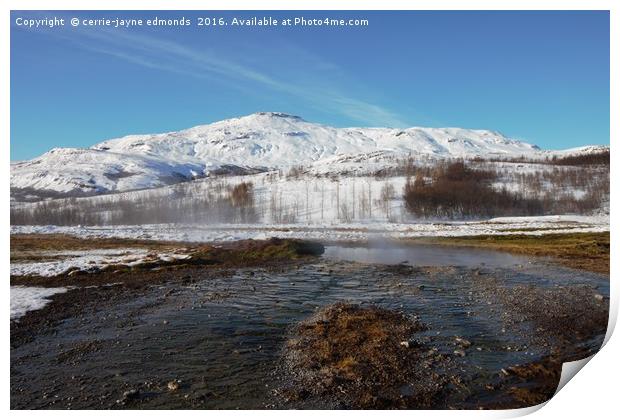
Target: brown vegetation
{"points": [[248, 253], [455, 190], [586, 159], [363, 357], [528, 384], [601, 158], [30, 244], [586, 251]]}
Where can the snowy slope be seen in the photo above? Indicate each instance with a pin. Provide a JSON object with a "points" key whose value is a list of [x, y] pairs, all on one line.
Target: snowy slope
{"points": [[277, 140], [581, 150], [242, 145], [96, 171]]}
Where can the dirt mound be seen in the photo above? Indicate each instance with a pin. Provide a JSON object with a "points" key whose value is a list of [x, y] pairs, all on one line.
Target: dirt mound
{"points": [[273, 248], [362, 357]]}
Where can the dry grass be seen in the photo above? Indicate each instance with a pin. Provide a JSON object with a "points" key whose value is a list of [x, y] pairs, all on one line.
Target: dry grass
{"points": [[246, 253], [355, 353], [585, 251], [247, 250], [31, 243]]}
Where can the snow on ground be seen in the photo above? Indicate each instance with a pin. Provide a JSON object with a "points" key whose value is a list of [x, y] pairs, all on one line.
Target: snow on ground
{"points": [[560, 218], [332, 232], [61, 262], [305, 198], [24, 299]]}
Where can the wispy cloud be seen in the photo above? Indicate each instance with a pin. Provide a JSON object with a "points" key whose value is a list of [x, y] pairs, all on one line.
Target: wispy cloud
{"points": [[167, 55]]}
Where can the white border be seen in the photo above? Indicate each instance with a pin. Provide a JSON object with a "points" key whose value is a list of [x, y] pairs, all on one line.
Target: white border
{"points": [[592, 394]]}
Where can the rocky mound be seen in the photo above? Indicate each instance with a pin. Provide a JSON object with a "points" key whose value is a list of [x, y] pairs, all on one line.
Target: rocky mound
{"points": [[350, 356]]}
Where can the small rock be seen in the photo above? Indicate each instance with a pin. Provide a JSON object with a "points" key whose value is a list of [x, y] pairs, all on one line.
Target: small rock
{"points": [[599, 297], [173, 385], [130, 394], [405, 344], [462, 342], [459, 353]]}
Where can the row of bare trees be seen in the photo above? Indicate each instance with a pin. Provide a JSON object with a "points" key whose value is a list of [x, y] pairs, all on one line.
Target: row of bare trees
{"points": [[584, 159], [446, 189], [455, 190], [221, 204]]}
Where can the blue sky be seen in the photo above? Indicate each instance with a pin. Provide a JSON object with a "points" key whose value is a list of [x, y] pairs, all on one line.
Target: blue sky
{"points": [[541, 77]]}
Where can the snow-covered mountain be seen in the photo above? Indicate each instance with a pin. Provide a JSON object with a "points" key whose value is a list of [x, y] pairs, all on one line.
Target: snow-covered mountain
{"points": [[242, 145]]}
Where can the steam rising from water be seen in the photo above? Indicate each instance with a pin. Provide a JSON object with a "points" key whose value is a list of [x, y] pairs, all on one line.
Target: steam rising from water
{"points": [[382, 251]]}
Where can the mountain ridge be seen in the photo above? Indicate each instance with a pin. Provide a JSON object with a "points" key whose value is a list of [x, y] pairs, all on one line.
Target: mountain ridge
{"points": [[248, 144]]}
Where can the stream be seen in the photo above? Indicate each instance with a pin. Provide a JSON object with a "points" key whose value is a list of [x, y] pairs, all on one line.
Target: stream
{"points": [[221, 338]]}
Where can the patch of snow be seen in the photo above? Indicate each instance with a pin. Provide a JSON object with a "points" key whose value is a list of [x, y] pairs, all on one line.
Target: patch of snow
{"points": [[25, 299], [88, 260], [562, 218]]}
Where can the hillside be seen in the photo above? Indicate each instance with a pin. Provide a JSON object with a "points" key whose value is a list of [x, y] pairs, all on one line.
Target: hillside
{"points": [[246, 145]]}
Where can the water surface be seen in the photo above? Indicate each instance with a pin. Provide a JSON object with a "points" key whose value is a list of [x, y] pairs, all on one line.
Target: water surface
{"points": [[222, 337]]}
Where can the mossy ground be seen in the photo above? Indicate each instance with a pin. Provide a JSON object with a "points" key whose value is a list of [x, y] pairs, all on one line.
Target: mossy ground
{"points": [[585, 251], [30, 243], [356, 356]]}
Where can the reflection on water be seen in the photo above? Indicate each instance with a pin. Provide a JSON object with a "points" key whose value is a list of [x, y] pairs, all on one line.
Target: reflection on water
{"points": [[422, 255]]}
